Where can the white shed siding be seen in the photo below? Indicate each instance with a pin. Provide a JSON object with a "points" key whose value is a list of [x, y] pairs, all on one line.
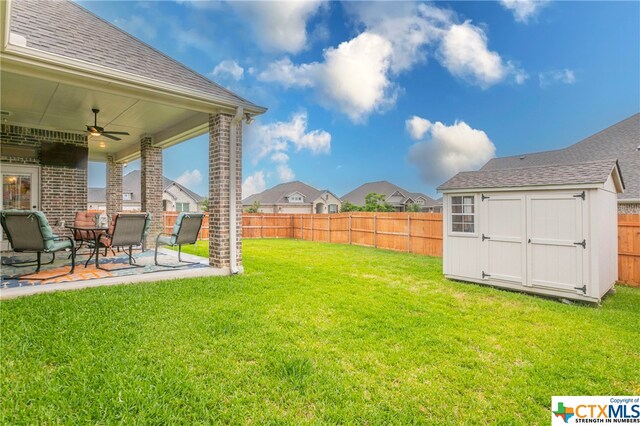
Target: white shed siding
{"points": [[606, 220], [530, 241]]}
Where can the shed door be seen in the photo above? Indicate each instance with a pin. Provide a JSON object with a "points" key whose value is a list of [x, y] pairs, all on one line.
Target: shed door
{"points": [[503, 238], [554, 230]]}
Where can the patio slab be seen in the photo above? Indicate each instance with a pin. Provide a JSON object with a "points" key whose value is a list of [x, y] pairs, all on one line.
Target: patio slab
{"points": [[92, 277]]}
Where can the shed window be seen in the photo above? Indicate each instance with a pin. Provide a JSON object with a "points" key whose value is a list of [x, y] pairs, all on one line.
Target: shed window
{"points": [[463, 214], [182, 207]]}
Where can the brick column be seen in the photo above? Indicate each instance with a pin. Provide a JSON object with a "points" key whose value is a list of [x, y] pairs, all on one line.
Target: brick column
{"points": [[151, 185], [114, 186], [219, 188]]}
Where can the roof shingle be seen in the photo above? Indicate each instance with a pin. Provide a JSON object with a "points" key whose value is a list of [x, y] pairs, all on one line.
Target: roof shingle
{"points": [[593, 172], [65, 28], [620, 141]]}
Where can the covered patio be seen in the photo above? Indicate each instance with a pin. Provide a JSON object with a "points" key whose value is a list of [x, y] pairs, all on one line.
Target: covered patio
{"points": [[59, 62]]}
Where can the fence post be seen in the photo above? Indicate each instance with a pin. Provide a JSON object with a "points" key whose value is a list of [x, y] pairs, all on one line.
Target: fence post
{"points": [[408, 232], [302, 227], [349, 228], [262, 226], [329, 228], [375, 230], [312, 230], [292, 227]]}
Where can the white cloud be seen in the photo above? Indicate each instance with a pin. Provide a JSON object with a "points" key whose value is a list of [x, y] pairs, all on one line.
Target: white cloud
{"points": [[278, 137], [417, 126], [450, 149], [565, 76], [357, 77], [253, 184], [230, 68], [274, 140], [353, 76], [280, 157], [464, 52], [285, 174], [288, 74], [281, 26], [190, 178], [409, 27], [523, 10]]}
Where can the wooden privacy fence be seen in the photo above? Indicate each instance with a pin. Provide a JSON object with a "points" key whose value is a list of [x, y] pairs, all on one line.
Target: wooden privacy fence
{"points": [[419, 233], [629, 249]]}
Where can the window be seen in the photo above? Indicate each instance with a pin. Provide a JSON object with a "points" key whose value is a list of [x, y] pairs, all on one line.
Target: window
{"points": [[420, 201], [182, 207], [295, 199], [463, 214], [333, 208]]}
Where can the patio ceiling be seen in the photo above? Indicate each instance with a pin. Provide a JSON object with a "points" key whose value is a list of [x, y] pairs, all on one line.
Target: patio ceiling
{"points": [[41, 103], [51, 80]]}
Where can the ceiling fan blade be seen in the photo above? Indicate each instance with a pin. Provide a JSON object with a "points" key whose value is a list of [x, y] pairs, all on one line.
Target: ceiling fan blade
{"points": [[111, 137], [115, 133]]}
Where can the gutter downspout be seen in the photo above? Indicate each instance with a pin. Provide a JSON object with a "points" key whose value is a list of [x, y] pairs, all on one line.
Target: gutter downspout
{"points": [[233, 157]]}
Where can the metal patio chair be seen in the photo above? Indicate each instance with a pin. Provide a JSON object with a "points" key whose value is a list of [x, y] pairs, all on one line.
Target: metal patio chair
{"points": [[126, 231], [185, 231], [84, 218], [29, 232]]}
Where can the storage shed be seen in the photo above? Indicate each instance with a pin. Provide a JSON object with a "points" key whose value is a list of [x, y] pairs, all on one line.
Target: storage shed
{"points": [[550, 230]]}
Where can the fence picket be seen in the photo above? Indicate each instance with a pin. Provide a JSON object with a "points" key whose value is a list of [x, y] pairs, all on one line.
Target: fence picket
{"points": [[419, 233]]}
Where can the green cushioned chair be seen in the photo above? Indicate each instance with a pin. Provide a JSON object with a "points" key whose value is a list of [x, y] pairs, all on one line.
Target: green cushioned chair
{"points": [[29, 232], [185, 231]]}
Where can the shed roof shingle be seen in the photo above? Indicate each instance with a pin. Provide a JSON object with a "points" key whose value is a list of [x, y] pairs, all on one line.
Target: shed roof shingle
{"points": [[593, 172], [620, 141], [65, 28]]}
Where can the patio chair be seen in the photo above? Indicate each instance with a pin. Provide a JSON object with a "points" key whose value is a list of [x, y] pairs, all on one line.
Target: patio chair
{"points": [[29, 232], [185, 231], [126, 231], [84, 219]]}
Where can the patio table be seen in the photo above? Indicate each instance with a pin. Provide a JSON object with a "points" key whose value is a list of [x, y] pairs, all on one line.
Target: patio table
{"points": [[96, 231]]}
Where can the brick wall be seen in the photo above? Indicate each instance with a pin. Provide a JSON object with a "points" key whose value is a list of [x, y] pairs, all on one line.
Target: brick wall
{"points": [[63, 190], [219, 187], [114, 186], [151, 186]]}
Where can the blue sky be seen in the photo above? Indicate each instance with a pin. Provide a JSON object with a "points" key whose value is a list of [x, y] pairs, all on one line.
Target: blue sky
{"points": [[400, 91]]}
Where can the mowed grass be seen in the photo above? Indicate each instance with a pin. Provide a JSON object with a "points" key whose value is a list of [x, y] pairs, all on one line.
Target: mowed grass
{"points": [[311, 333]]}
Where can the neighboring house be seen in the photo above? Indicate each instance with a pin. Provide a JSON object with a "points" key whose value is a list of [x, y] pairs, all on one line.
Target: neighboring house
{"points": [[619, 142], [175, 197], [58, 62], [294, 197], [398, 197]]}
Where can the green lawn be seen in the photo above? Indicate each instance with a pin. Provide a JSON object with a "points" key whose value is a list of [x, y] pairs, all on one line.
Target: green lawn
{"points": [[311, 333]]}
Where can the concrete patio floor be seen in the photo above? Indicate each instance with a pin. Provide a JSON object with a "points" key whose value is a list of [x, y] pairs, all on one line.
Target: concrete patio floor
{"points": [[75, 282]]}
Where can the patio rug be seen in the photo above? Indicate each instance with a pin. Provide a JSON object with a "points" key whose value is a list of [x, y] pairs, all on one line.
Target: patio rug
{"points": [[62, 265]]}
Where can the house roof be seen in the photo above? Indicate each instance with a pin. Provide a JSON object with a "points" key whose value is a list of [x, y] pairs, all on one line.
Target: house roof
{"points": [[278, 193], [131, 185], [357, 196], [65, 28], [620, 141], [586, 173]]}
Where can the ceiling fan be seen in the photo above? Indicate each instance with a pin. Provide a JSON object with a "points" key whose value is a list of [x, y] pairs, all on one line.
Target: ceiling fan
{"points": [[96, 130]]}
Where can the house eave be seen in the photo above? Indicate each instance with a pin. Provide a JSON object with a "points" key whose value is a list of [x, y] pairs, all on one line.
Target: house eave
{"points": [[521, 188], [50, 66]]}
